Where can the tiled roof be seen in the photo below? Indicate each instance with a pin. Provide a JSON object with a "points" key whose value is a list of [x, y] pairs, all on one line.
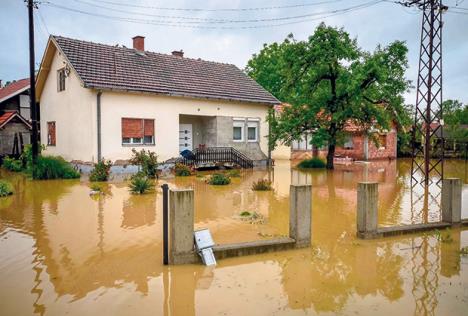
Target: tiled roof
{"points": [[112, 67], [13, 88], [7, 116]]}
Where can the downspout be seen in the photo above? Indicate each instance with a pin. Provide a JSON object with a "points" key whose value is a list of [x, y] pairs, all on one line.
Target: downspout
{"points": [[98, 112], [270, 117]]}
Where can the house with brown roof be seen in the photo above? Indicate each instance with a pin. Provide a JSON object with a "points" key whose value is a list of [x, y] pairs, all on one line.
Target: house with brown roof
{"points": [[15, 115], [101, 101], [356, 146]]}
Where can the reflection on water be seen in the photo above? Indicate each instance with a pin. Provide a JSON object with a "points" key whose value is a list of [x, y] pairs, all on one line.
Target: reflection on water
{"points": [[64, 252]]}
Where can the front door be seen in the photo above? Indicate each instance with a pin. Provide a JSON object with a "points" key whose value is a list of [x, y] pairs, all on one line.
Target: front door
{"points": [[185, 137]]}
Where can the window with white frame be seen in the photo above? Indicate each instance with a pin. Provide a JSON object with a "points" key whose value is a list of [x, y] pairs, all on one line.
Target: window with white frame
{"points": [[238, 130], [252, 130], [136, 131]]}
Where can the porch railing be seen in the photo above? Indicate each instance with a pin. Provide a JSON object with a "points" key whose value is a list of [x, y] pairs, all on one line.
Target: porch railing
{"points": [[218, 155]]}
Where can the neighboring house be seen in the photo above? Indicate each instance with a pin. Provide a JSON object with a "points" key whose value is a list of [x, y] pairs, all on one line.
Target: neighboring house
{"points": [[357, 146], [100, 101], [15, 127]]}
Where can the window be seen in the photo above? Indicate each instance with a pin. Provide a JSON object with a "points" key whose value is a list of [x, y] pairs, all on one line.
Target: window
{"points": [[302, 144], [348, 144], [61, 80], [383, 141], [238, 131], [51, 140], [252, 131], [136, 131]]}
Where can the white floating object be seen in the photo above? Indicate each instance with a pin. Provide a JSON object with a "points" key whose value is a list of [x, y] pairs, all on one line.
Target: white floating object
{"points": [[204, 243]]}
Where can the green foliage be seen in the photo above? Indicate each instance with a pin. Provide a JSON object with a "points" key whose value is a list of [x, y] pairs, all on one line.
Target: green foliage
{"points": [[262, 185], [313, 163], [5, 188], [147, 160], [12, 164], [444, 237], [245, 214], [233, 173], [101, 171], [455, 115], [182, 170], [96, 187], [140, 184], [218, 179], [53, 167], [329, 81]]}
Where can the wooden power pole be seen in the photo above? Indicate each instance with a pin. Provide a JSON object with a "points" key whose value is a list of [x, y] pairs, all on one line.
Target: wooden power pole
{"points": [[31, 4]]}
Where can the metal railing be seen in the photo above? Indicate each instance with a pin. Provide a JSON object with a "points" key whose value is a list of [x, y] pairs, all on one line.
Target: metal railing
{"points": [[217, 155]]}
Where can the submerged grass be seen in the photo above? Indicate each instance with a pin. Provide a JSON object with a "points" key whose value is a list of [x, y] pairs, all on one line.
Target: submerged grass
{"points": [[313, 163], [262, 185], [5, 188], [218, 179]]}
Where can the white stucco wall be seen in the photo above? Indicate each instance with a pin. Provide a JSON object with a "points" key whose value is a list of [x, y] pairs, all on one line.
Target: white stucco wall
{"points": [[281, 152], [165, 111], [74, 113]]}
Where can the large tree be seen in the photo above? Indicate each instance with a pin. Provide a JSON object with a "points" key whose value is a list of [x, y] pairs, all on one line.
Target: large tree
{"points": [[329, 82]]}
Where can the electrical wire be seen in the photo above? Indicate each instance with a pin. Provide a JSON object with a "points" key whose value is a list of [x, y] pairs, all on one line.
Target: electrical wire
{"points": [[216, 10], [186, 24], [214, 21]]}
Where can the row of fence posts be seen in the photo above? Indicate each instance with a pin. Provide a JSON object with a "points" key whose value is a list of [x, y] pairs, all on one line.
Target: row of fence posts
{"points": [[178, 207]]}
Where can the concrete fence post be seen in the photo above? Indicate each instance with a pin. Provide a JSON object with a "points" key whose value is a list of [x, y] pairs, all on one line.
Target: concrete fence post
{"points": [[181, 218], [367, 196], [451, 200], [300, 216]]}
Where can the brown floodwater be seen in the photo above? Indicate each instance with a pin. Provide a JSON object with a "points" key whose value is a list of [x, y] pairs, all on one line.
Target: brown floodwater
{"points": [[63, 252]]}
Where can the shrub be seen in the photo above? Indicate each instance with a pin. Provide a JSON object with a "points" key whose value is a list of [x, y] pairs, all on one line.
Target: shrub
{"points": [[312, 163], [262, 185], [96, 187], [12, 164], [147, 160], [234, 173], [101, 171], [182, 170], [140, 184], [219, 179], [51, 167], [5, 189]]}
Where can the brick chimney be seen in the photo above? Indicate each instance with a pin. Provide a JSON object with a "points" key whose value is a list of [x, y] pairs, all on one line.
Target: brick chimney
{"points": [[139, 43], [178, 53]]}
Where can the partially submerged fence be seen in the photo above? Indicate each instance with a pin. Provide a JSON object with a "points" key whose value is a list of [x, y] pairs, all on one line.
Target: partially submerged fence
{"points": [[367, 203], [181, 228]]}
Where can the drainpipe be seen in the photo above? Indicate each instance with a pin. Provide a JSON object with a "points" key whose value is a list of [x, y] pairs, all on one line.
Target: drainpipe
{"points": [[98, 111], [270, 117]]}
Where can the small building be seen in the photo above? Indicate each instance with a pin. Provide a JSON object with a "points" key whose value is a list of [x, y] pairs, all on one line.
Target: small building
{"points": [[357, 145], [101, 101], [15, 115]]}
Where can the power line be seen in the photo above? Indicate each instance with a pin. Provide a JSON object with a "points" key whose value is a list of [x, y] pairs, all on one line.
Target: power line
{"points": [[186, 24], [215, 21], [217, 10]]}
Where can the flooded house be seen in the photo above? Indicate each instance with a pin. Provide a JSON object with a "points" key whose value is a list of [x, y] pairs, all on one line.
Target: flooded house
{"points": [[15, 115], [101, 101], [357, 145]]}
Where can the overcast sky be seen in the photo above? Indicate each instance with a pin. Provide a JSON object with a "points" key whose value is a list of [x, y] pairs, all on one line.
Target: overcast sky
{"points": [[381, 23]]}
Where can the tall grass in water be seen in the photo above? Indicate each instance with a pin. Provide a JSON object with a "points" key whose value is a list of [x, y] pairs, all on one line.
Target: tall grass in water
{"points": [[313, 163], [5, 188], [51, 167]]}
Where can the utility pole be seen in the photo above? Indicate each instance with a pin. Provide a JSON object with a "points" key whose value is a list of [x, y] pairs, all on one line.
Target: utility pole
{"points": [[428, 119], [31, 4]]}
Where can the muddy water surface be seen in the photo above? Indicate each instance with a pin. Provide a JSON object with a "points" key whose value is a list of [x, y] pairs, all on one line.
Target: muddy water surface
{"points": [[63, 252]]}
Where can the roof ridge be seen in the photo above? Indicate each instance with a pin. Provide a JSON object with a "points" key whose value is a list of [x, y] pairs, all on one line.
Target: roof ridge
{"points": [[146, 51]]}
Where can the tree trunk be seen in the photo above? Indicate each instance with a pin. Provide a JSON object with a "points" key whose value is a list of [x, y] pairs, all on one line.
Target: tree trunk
{"points": [[331, 155]]}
